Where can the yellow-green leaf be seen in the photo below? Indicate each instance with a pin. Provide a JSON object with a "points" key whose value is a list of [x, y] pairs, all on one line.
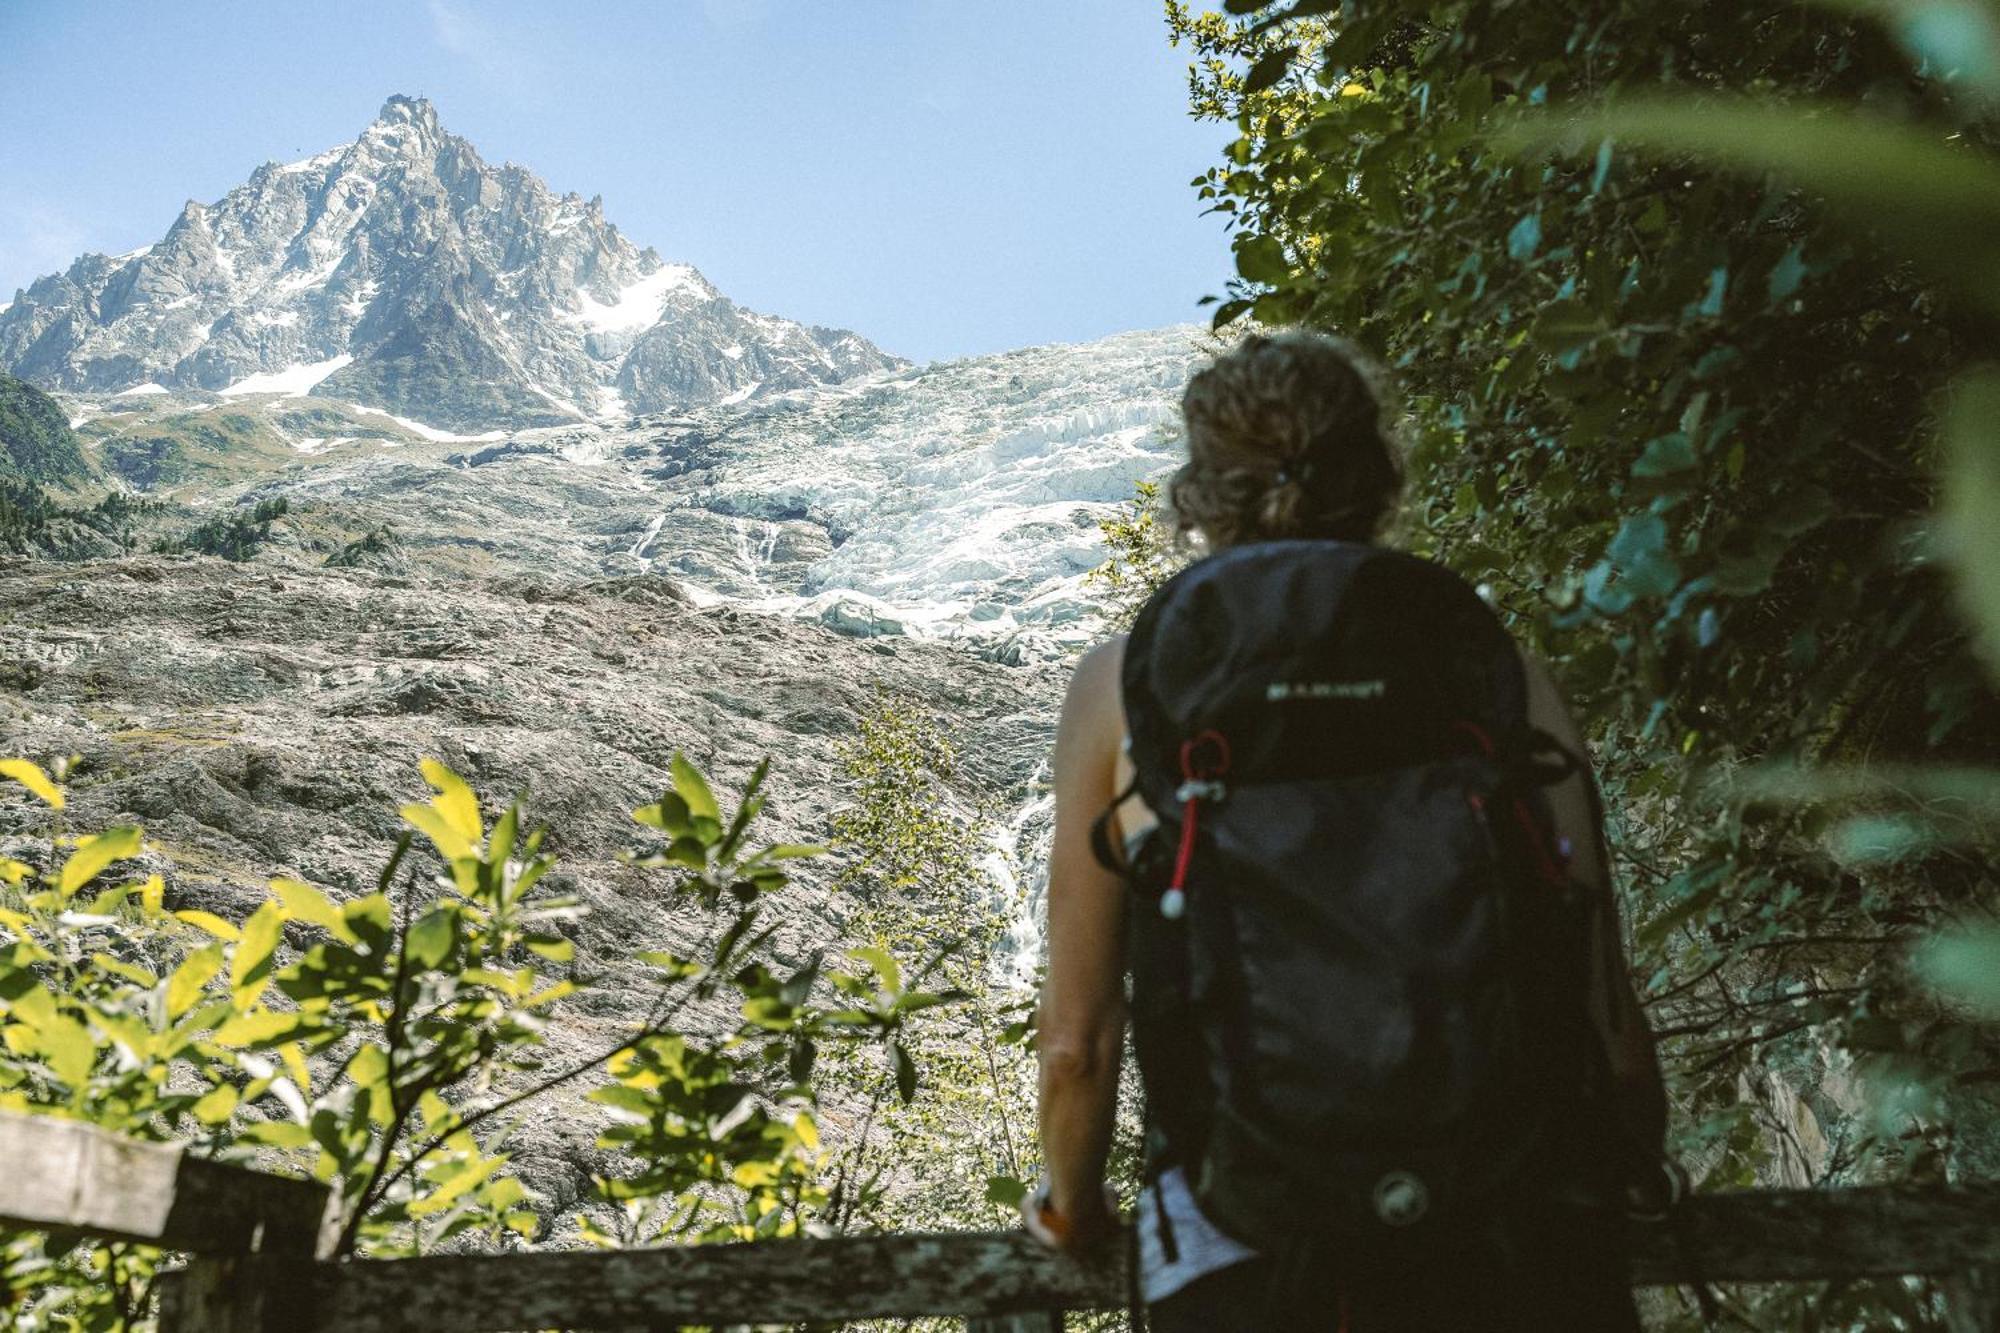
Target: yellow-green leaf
{"points": [[31, 776], [257, 1028], [12, 871], [92, 855], [118, 967], [211, 923], [185, 986], [70, 1051], [454, 800], [276, 1134], [216, 1105], [250, 966], [430, 939], [694, 789], [303, 902], [432, 823], [555, 948]]}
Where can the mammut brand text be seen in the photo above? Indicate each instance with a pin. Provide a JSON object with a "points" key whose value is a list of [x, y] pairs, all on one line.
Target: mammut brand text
{"points": [[1278, 691]]}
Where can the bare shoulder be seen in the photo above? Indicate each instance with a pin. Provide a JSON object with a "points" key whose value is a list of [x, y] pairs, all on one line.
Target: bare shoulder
{"points": [[1092, 714], [1094, 683]]}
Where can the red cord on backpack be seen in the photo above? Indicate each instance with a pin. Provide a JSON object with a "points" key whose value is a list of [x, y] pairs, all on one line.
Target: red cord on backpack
{"points": [[1548, 864], [1204, 761]]}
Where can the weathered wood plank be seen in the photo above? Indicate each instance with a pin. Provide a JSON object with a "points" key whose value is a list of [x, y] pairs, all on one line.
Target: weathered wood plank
{"points": [[1973, 1299], [1036, 1321], [1806, 1235], [856, 1277], [247, 1293], [69, 1176], [1760, 1236]]}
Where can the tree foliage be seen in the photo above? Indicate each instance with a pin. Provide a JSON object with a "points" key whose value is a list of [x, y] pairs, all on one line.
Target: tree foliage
{"points": [[1679, 420]]}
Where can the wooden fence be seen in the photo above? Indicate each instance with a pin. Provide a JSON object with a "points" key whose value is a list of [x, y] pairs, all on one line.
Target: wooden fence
{"points": [[254, 1242]]}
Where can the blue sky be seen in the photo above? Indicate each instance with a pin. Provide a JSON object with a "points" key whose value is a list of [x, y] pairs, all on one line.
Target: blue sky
{"points": [[947, 177]]}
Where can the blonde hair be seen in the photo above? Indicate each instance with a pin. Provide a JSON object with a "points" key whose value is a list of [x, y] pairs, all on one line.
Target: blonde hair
{"points": [[1285, 438]]}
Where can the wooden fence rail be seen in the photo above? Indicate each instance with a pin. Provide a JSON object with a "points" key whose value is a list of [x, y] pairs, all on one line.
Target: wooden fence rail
{"points": [[256, 1270]]}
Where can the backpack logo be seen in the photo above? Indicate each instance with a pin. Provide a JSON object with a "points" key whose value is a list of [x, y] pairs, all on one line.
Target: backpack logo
{"points": [[1283, 691]]}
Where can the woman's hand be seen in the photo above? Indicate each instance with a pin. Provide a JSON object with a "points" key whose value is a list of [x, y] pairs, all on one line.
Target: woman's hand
{"points": [[1058, 1229]]}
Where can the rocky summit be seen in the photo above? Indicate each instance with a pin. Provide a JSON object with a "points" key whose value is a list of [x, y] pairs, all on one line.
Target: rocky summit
{"points": [[403, 272]]}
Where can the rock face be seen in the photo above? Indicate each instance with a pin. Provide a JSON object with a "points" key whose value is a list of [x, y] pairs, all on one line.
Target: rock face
{"points": [[261, 720], [36, 442], [403, 272]]}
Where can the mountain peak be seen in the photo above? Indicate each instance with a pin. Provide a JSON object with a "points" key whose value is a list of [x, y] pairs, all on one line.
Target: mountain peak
{"points": [[405, 273], [402, 109]]}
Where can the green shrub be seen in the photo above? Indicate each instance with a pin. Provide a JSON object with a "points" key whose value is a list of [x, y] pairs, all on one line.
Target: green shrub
{"points": [[384, 1048]]}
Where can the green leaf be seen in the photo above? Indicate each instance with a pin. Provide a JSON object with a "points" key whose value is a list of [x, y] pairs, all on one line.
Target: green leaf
{"points": [[1525, 239], [191, 978], [1787, 275], [454, 801], [1261, 259], [555, 948], [884, 964], [276, 1134], [260, 1027], [1964, 966], [303, 902], [1006, 1191], [34, 779], [693, 788], [430, 940], [1971, 503], [1668, 456], [1922, 188], [92, 855], [906, 1072], [1269, 68], [1640, 554], [443, 833], [215, 1106], [250, 965], [211, 923], [68, 1045]]}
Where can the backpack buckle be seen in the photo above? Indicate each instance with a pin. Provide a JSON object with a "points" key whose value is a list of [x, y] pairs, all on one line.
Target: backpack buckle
{"points": [[1200, 789], [1401, 1199]]}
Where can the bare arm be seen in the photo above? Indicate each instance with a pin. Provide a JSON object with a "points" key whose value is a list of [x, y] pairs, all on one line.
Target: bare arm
{"points": [[1081, 1021], [1614, 1004]]}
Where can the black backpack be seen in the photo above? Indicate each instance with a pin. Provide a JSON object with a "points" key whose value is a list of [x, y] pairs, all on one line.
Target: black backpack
{"points": [[1359, 966]]}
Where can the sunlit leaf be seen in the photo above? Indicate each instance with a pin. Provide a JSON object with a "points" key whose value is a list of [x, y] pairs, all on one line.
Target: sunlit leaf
{"points": [[250, 964], [303, 902], [431, 938], [31, 776], [188, 982], [93, 854], [454, 800], [211, 923], [693, 788]]}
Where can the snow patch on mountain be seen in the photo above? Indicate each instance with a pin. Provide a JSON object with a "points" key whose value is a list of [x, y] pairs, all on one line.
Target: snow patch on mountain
{"points": [[638, 306], [297, 380]]}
